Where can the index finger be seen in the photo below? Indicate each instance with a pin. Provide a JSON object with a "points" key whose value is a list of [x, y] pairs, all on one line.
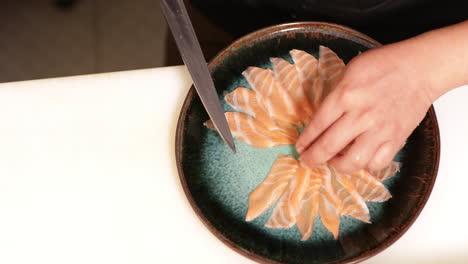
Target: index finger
{"points": [[326, 115]]}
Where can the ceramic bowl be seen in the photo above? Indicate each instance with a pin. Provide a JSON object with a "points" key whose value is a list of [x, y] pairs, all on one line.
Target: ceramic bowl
{"points": [[217, 182]]}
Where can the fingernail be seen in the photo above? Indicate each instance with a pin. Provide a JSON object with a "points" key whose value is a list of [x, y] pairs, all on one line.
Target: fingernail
{"points": [[299, 149], [304, 164]]}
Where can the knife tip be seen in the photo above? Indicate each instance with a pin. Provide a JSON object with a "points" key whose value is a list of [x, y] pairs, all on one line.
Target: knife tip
{"points": [[233, 148], [230, 143]]}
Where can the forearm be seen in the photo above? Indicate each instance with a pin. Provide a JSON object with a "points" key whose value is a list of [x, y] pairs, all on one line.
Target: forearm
{"points": [[438, 59]]}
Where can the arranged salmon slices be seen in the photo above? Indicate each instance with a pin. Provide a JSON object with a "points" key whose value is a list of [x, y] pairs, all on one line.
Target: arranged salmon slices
{"points": [[248, 130], [330, 69], [288, 77], [280, 102], [273, 187]]}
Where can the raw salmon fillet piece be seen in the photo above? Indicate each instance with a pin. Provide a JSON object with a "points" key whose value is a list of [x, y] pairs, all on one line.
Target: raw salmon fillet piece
{"points": [[330, 68], [276, 100], [388, 172], [284, 214], [247, 129], [352, 202], [369, 187], [245, 100], [308, 208], [288, 76], [307, 68], [329, 203], [274, 185]]}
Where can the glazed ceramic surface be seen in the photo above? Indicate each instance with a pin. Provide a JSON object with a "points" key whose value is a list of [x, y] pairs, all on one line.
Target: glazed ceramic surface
{"points": [[217, 182]]}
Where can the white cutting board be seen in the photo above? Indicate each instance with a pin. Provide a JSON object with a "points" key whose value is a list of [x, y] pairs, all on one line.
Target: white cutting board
{"points": [[88, 175]]}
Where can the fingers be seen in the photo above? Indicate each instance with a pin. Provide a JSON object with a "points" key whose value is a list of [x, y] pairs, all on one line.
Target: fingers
{"points": [[337, 137], [358, 155], [384, 155], [327, 114]]}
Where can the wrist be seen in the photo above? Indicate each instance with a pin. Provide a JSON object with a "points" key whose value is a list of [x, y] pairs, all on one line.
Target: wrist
{"points": [[410, 61], [425, 65], [439, 59]]}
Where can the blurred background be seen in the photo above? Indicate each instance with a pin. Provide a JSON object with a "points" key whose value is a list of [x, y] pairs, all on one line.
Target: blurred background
{"points": [[45, 38], [53, 38]]}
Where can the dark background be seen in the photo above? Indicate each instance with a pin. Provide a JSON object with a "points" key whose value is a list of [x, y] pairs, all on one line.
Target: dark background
{"points": [[53, 38], [44, 38]]}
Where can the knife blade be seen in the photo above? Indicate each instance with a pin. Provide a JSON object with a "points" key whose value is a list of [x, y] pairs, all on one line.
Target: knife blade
{"points": [[186, 40]]}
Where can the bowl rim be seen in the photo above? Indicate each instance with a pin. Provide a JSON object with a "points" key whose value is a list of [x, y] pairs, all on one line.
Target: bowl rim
{"points": [[215, 62], [319, 26]]}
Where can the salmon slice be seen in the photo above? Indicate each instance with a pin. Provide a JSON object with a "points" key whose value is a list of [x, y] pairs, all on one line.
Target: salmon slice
{"points": [[329, 215], [370, 188], [248, 130], [244, 100], [299, 187], [274, 185], [352, 203], [276, 101], [329, 203], [307, 68], [284, 214], [388, 172], [330, 68], [309, 206], [288, 76]]}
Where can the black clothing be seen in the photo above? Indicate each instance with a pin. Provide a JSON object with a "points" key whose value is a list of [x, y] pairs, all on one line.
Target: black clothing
{"points": [[384, 20]]}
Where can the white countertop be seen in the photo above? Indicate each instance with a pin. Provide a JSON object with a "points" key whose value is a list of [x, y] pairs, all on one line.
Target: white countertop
{"points": [[88, 175]]}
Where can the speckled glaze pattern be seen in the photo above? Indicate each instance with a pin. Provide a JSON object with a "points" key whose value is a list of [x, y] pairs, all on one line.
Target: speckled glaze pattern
{"points": [[217, 182]]}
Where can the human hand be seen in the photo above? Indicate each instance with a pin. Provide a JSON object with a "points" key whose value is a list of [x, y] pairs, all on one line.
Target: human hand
{"points": [[379, 101]]}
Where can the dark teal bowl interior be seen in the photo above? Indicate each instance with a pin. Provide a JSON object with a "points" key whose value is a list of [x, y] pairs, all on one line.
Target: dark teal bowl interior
{"points": [[218, 182]]}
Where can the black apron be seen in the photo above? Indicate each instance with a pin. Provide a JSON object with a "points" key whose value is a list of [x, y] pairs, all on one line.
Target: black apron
{"points": [[384, 20]]}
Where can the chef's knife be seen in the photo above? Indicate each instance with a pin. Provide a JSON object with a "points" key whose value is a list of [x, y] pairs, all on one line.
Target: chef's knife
{"points": [[191, 53]]}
